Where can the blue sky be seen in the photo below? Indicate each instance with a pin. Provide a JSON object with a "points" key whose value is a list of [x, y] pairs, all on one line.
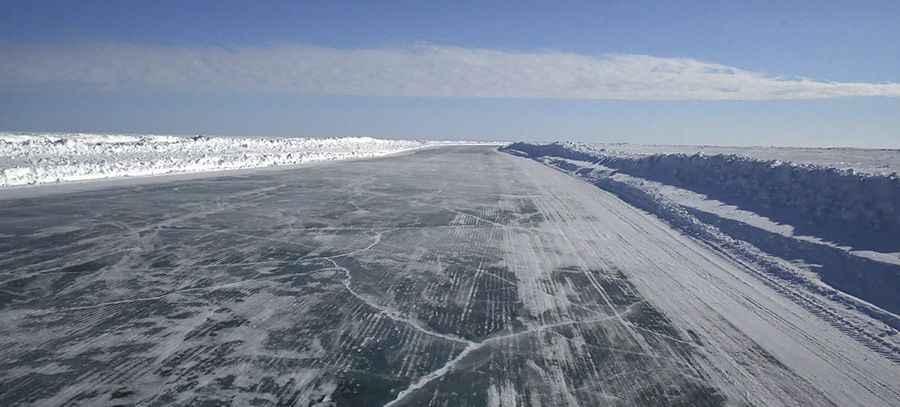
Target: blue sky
{"points": [[783, 73]]}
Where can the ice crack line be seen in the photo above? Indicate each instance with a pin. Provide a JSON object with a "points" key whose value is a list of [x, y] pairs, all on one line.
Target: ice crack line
{"points": [[390, 313], [473, 346]]}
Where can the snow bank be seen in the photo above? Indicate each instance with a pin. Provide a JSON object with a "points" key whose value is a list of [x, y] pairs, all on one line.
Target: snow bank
{"points": [[845, 206], [48, 158]]}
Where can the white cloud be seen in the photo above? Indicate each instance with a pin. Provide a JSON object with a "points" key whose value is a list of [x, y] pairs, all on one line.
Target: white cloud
{"points": [[412, 71]]}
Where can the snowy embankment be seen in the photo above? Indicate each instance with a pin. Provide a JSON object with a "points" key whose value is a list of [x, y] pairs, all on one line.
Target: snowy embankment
{"points": [[818, 231], [27, 159], [845, 205]]}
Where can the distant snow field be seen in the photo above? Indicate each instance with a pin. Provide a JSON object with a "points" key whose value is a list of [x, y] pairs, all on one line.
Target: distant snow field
{"points": [[30, 158]]}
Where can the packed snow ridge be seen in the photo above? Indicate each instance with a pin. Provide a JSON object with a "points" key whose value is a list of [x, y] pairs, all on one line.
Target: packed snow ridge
{"points": [[29, 158]]}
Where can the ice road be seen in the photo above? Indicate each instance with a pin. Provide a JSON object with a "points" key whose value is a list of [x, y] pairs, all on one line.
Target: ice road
{"points": [[459, 276]]}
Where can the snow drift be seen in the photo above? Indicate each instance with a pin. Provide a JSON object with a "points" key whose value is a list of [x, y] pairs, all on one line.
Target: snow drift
{"points": [[48, 158]]}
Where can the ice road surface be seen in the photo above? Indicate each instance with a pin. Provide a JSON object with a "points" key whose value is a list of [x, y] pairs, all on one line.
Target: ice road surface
{"points": [[459, 276], [27, 158]]}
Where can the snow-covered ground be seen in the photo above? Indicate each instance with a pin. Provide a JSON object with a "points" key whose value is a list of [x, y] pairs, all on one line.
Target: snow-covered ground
{"points": [[32, 158]]}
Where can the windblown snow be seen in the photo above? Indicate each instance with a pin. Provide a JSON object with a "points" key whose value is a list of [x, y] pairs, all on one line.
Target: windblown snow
{"points": [[28, 158]]}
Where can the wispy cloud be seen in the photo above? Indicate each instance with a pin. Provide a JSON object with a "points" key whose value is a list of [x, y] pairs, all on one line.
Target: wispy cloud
{"points": [[421, 70]]}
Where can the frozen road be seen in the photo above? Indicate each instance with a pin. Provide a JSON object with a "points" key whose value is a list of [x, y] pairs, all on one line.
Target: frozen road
{"points": [[458, 276]]}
